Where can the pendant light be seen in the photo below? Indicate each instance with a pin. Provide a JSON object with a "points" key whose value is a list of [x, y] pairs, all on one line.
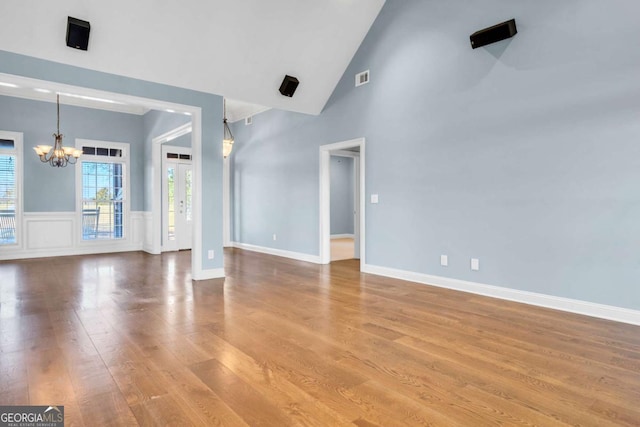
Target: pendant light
{"points": [[227, 142], [57, 156]]}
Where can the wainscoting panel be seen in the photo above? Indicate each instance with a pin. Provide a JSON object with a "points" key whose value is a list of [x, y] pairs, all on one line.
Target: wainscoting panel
{"points": [[147, 218], [46, 234], [49, 230], [137, 230]]}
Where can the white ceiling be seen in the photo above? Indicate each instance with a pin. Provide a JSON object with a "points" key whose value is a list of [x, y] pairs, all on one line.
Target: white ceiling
{"points": [[238, 110], [239, 49]]}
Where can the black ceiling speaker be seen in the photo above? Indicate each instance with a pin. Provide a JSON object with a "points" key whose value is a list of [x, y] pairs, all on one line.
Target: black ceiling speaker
{"points": [[78, 33], [494, 34], [288, 86]]}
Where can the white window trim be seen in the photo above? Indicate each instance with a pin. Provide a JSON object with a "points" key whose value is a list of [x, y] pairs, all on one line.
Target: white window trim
{"points": [[125, 160], [18, 151]]}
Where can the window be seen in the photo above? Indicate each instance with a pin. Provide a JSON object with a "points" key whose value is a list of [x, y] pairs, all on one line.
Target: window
{"points": [[104, 190], [10, 152]]}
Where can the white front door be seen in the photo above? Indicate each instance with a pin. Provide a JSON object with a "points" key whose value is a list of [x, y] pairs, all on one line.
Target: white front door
{"points": [[177, 202]]}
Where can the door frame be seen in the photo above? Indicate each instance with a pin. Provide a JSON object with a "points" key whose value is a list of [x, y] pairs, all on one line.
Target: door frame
{"points": [[156, 209], [164, 247], [325, 196]]}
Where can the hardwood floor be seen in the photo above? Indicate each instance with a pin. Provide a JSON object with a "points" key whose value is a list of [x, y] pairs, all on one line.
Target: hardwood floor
{"points": [[128, 339]]}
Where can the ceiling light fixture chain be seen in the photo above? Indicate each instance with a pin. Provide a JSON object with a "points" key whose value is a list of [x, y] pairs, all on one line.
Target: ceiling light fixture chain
{"points": [[57, 156]]}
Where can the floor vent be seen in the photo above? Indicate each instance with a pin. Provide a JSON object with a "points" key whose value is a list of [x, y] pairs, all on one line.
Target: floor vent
{"points": [[362, 78]]}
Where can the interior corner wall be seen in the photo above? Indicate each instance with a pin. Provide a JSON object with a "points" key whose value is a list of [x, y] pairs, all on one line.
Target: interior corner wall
{"points": [[523, 154]]}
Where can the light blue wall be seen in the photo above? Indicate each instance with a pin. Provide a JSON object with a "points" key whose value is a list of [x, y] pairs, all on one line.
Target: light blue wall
{"points": [[156, 123], [37, 121], [211, 108], [342, 195], [182, 141], [523, 154], [275, 181]]}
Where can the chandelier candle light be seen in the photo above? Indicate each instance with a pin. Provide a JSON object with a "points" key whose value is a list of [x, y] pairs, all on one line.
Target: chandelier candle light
{"points": [[57, 156]]}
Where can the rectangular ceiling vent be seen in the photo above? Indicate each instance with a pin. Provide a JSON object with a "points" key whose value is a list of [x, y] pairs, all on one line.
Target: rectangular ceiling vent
{"points": [[248, 120], [362, 78]]}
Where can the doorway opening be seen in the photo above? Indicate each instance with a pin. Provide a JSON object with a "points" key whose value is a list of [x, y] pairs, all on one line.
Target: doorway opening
{"points": [[343, 203], [342, 178]]}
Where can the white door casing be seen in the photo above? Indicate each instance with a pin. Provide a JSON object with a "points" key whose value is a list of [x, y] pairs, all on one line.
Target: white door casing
{"points": [[326, 151]]}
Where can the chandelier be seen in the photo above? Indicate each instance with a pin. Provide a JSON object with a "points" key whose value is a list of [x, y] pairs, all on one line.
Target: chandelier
{"points": [[227, 142], [57, 156]]}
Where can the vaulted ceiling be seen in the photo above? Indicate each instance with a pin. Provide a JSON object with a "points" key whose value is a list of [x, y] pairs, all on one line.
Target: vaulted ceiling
{"points": [[240, 49]]}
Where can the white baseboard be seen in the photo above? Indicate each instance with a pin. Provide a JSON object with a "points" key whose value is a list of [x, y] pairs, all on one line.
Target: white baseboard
{"points": [[277, 252], [602, 311], [342, 236], [150, 250], [214, 273]]}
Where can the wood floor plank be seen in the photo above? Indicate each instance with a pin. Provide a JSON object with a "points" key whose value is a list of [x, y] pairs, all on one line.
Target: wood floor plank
{"points": [[106, 409], [129, 339], [164, 410], [252, 406], [302, 407]]}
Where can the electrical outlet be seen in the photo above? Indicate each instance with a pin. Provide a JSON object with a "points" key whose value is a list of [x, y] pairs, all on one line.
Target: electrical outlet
{"points": [[210, 254], [475, 264], [274, 236], [444, 260], [374, 198]]}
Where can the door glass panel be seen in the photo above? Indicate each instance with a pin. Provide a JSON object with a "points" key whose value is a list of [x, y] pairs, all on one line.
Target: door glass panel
{"points": [[171, 213], [187, 194]]}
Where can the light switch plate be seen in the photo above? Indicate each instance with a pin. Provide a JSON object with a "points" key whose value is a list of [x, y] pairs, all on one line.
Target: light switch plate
{"points": [[374, 198], [444, 260], [475, 264], [210, 254]]}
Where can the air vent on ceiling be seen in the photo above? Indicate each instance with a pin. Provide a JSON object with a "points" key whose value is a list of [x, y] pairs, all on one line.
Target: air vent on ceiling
{"points": [[248, 120], [362, 78]]}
